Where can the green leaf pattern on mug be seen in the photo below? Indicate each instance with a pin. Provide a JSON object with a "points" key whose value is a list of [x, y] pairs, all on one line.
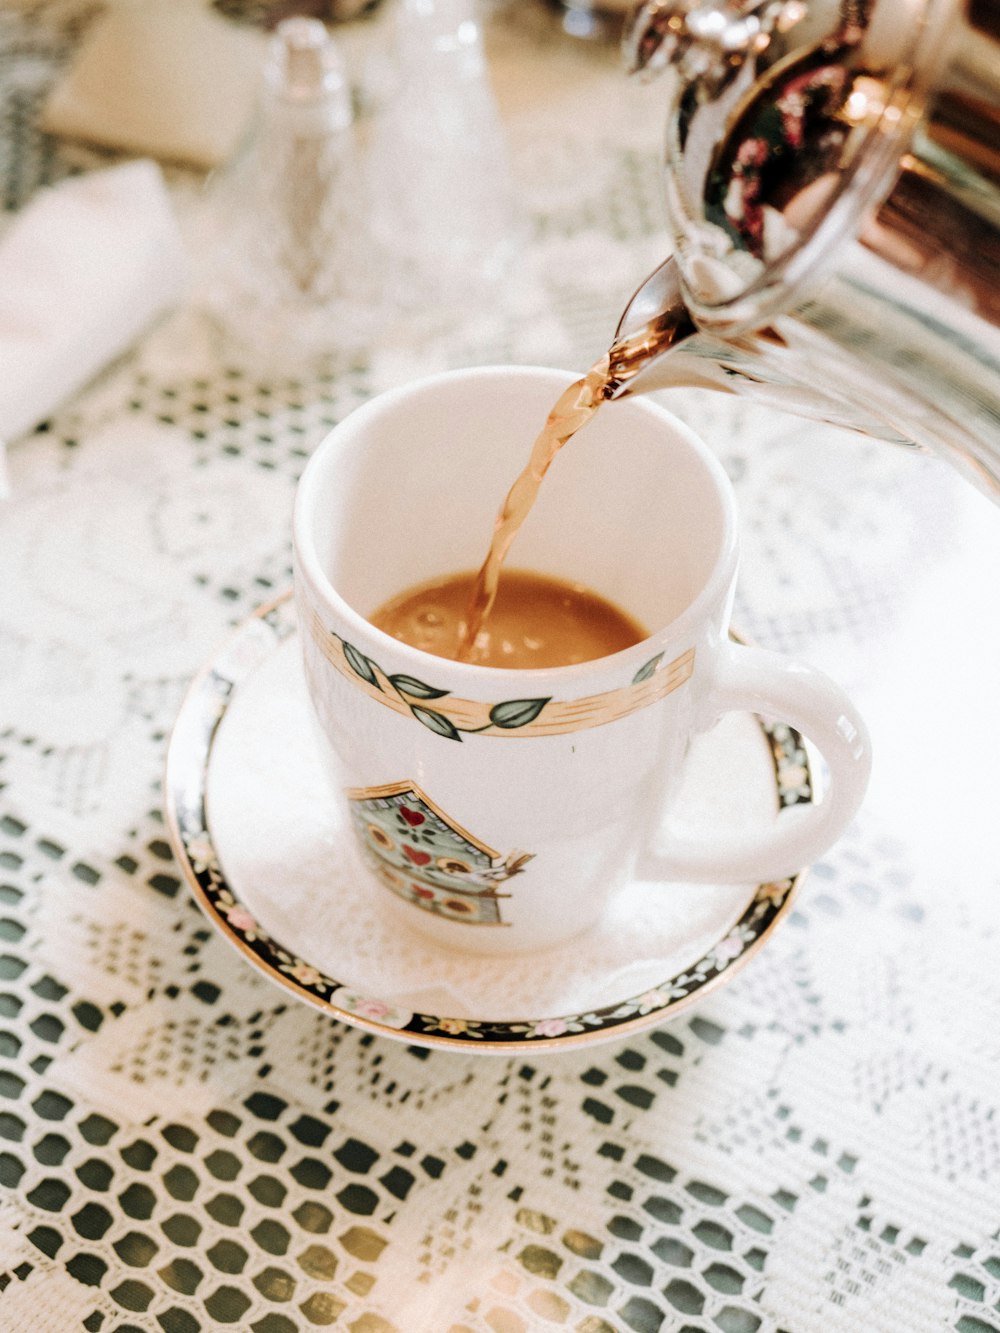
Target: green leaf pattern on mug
{"points": [[416, 689], [360, 664], [516, 712], [436, 722], [506, 716], [647, 670], [456, 718]]}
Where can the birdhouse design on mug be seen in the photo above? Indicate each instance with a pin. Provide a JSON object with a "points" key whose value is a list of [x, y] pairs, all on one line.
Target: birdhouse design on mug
{"points": [[427, 859]]}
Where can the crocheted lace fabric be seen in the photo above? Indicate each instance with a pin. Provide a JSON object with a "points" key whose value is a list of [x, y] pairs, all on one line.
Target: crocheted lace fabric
{"points": [[814, 1149]]}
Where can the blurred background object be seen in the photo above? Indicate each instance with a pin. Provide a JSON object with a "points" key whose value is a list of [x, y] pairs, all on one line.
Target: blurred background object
{"points": [[282, 239], [593, 19], [167, 78], [445, 218], [270, 13]]}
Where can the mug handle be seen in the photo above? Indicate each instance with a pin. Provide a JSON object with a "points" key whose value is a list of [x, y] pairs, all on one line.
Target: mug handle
{"points": [[758, 681]]}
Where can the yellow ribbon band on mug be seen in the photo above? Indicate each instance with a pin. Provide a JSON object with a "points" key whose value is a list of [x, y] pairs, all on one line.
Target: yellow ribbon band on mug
{"points": [[555, 718]]}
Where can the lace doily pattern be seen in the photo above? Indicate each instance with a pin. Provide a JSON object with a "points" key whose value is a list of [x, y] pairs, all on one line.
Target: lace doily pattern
{"points": [[186, 1148]]}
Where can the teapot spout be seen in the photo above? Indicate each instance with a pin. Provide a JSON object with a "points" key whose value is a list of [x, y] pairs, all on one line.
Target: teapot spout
{"points": [[655, 322], [658, 346]]}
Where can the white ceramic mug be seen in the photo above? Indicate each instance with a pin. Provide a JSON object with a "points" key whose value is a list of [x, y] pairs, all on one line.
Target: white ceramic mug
{"points": [[503, 808]]}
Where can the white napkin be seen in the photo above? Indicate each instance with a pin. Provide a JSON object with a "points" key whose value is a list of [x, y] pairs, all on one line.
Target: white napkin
{"points": [[84, 269]]}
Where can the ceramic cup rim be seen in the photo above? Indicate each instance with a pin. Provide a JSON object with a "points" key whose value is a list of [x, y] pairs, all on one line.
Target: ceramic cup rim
{"points": [[315, 477]]}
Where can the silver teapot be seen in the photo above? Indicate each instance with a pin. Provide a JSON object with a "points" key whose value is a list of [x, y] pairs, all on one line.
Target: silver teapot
{"points": [[833, 199]]}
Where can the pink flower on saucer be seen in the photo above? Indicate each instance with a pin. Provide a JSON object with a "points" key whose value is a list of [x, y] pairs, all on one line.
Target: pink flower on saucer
{"points": [[378, 1011], [726, 950], [653, 999], [550, 1027], [240, 919]]}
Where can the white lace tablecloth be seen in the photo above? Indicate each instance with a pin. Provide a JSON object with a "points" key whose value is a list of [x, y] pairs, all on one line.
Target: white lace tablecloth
{"points": [[815, 1149]]}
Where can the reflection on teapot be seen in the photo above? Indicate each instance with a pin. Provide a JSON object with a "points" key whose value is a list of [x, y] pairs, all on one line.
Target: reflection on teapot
{"points": [[833, 194]]}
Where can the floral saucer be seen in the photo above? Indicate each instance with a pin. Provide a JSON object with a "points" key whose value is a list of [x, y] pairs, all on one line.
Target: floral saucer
{"points": [[272, 862]]}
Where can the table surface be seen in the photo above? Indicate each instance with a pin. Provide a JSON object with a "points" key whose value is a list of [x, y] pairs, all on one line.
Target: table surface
{"points": [[815, 1148]]}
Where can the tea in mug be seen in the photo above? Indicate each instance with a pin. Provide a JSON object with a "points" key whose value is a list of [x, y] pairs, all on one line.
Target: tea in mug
{"points": [[535, 621]]}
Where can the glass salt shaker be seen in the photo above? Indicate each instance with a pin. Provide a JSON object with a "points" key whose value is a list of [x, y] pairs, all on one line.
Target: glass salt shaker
{"points": [[286, 267]]}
